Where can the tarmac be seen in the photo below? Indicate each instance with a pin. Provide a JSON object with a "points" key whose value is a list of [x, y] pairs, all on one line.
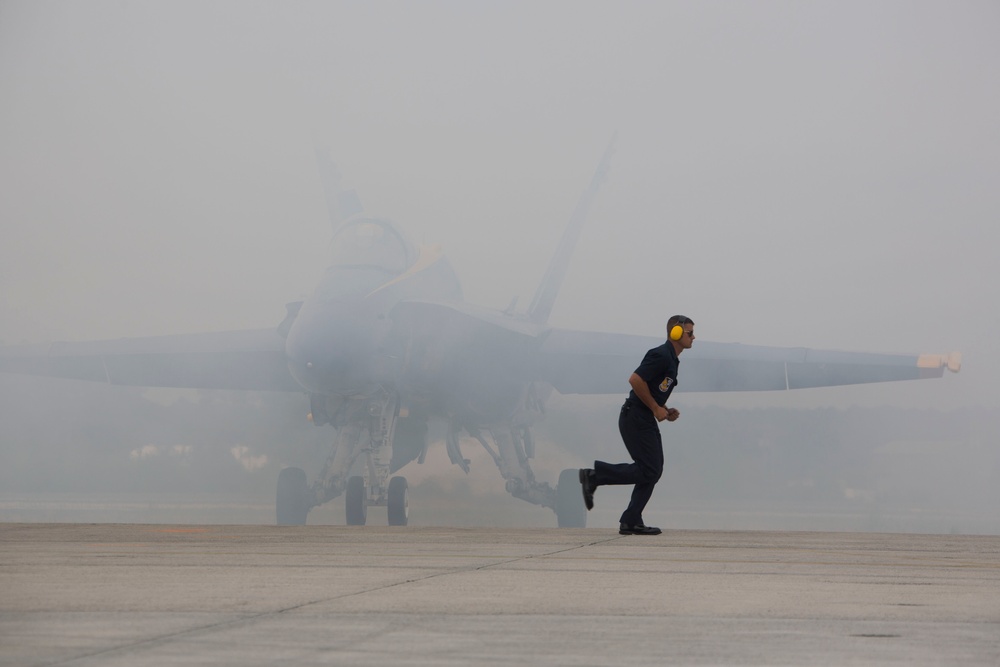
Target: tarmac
{"points": [[123, 594]]}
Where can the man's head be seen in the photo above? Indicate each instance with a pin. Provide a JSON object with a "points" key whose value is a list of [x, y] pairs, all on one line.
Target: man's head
{"points": [[680, 330]]}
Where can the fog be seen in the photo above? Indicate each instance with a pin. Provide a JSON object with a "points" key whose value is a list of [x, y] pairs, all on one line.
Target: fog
{"points": [[794, 174]]}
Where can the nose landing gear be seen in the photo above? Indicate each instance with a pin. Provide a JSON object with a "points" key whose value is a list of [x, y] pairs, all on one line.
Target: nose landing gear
{"points": [[359, 498]]}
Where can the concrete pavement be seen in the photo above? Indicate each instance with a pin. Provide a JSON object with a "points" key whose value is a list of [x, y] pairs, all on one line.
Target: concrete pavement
{"points": [[118, 594]]}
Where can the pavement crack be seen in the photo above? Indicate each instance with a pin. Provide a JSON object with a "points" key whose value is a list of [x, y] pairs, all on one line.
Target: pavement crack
{"points": [[248, 619]]}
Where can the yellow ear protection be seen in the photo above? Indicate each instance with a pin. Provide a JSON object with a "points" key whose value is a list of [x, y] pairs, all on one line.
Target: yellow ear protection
{"points": [[676, 332]]}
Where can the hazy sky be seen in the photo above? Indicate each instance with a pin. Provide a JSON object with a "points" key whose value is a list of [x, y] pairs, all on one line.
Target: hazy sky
{"points": [[819, 174]]}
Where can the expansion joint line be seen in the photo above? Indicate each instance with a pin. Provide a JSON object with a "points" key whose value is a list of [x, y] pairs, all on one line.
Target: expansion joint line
{"points": [[252, 618]]}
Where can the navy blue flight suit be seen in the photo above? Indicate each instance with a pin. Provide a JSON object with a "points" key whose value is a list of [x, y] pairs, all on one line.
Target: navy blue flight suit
{"points": [[641, 433]]}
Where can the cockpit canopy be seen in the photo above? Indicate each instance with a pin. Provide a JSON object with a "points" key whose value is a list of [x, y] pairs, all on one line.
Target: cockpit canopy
{"points": [[371, 243]]}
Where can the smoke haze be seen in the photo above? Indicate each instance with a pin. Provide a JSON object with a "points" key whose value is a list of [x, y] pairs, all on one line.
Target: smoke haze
{"points": [[794, 174]]}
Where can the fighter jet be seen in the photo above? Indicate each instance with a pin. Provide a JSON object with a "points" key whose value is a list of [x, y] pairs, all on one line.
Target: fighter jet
{"points": [[386, 344]]}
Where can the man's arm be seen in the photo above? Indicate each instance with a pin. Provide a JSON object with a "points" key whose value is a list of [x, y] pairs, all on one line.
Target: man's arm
{"points": [[641, 390]]}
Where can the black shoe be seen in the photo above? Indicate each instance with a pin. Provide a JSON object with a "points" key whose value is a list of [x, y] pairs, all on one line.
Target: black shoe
{"points": [[588, 486], [638, 529]]}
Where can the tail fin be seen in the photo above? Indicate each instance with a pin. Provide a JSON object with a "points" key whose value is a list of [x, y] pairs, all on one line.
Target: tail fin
{"points": [[340, 204], [545, 296]]}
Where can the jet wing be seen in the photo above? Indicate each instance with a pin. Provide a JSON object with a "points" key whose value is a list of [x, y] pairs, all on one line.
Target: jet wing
{"points": [[249, 360], [583, 362]]}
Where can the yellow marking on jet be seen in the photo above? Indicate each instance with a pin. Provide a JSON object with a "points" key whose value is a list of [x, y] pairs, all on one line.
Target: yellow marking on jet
{"points": [[428, 255]]}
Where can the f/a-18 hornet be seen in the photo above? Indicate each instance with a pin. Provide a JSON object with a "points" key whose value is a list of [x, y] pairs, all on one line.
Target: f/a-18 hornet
{"points": [[386, 344]]}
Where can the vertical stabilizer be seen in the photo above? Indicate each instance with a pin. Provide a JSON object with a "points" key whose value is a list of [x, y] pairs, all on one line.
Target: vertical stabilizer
{"points": [[340, 204], [545, 296]]}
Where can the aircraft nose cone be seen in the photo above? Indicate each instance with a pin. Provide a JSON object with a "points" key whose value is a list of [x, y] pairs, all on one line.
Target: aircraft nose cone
{"points": [[333, 352]]}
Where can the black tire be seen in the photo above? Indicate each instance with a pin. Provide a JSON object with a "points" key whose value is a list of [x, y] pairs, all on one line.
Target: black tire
{"points": [[399, 503], [570, 510], [356, 501], [291, 506]]}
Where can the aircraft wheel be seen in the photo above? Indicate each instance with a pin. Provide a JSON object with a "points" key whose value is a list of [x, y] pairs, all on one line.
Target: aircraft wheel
{"points": [[570, 510], [399, 503], [355, 501], [291, 503]]}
